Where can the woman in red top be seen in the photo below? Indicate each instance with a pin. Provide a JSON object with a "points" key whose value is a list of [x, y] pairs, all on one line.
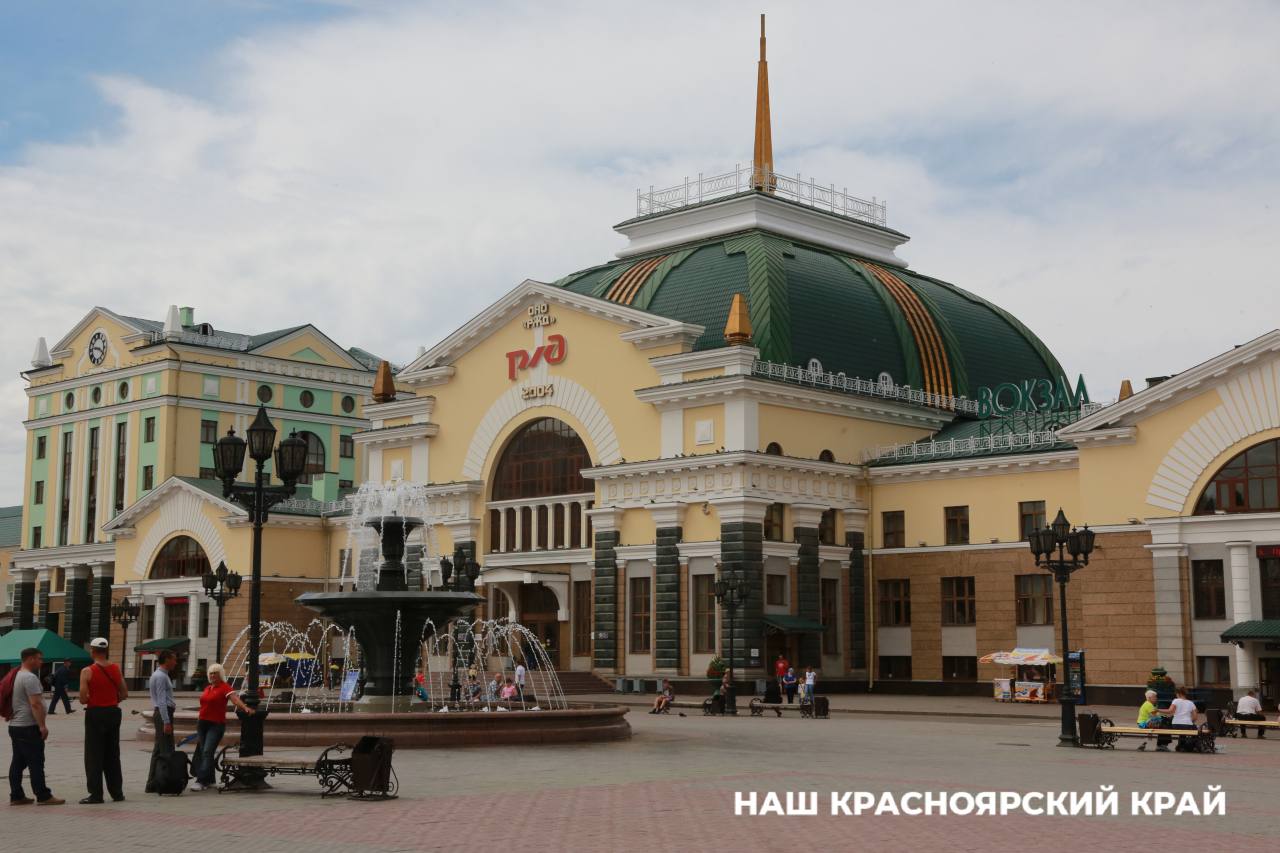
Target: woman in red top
{"points": [[212, 724]]}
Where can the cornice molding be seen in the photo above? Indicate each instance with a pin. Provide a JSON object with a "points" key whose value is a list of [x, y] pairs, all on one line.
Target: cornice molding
{"points": [[979, 466]]}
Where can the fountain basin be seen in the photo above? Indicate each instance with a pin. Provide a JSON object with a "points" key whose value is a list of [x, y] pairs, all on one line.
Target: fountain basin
{"points": [[389, 659], [579, 723]]}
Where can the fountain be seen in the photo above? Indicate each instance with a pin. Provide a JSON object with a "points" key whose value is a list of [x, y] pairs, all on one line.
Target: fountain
{"points": [[390, 633], [384, 616]]}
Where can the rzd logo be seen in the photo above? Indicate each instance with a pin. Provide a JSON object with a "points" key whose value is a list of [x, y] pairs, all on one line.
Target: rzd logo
{"points": [[552, 352]]}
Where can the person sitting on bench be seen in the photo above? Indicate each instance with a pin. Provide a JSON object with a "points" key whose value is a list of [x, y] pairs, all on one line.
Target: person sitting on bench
{"points": [[665, 697], [1148, 717], [1250, 709], [1183, 713]]}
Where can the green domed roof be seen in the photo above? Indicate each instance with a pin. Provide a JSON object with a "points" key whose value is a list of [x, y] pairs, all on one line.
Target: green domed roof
{"points": [[857, 317]]}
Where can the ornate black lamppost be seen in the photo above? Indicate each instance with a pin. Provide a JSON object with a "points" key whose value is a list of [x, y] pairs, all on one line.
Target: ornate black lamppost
{"points": [[124, 613], [258, 498], [731, 593], [1062, 538], [221, 585], [463, 580]]}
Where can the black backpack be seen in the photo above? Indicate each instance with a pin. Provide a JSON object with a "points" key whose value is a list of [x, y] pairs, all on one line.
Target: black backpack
{"points": [[171, 773]]}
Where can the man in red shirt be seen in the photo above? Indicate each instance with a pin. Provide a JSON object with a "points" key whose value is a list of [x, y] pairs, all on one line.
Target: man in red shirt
{"points": [[101, 692], [780, 667]]}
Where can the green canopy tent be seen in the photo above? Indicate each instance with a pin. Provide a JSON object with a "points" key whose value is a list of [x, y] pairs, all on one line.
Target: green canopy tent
{"points": [[53, 647]]}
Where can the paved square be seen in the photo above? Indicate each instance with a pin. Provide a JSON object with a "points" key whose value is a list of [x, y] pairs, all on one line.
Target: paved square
{"points": [[672, 788]]}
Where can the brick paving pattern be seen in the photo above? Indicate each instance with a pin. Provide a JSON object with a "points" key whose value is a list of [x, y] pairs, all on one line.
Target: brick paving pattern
{"points": [[672, 788]]}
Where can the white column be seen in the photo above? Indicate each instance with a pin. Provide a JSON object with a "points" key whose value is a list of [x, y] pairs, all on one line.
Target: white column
{"points": [[502, 530], [1166, 570], [582, 527], [193, 632], [568, 524], [533, 523], [1245, 675], [519, 529]]}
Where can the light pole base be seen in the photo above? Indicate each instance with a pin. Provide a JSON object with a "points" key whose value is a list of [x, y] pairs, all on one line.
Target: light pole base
{"points": [[1067, 735]]}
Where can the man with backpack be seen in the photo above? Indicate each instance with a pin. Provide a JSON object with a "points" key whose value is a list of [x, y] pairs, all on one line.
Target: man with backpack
{"points": [[22, 704], [102, 689]]}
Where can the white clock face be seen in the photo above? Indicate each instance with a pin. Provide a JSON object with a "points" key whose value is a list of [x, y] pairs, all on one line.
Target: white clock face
{"points": [[97, 347]]}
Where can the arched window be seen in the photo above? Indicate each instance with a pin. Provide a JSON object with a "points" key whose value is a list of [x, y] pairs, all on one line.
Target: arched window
{"points": [[826, 456], [545, 457], [181, 557], [315, 456], [774, 449], [1249, 482]]}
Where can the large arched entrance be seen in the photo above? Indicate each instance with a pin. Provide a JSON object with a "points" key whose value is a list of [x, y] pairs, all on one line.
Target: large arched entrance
{"points": [[538, 613], [539, 497]]}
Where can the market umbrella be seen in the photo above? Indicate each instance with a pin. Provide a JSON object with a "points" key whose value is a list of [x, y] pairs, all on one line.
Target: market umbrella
{"points": [[54, 647], [1022, 657], [271, 659]]}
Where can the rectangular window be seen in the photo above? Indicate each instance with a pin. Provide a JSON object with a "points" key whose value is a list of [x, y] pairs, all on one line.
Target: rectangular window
{"points": [[64, 496], [346, 484], [829, 599], [959, 668], [346, 447], [1208, 589], [1213, 671], [1269, 571], [204, 619], [775, 590], [958, 601], [37, 533], [208, 474], [122, 446], [37, 492], [895, 602], [704, 614], [42, 445], [774, 523], [208, 432], [894, 525], [582, 618], [149, 430], [827, 528], [897, 667], [149, 622], [1034, 599], [148, 477], [1030, 518], [638, 603], [91, 489], [176, 618], [957, 521]]}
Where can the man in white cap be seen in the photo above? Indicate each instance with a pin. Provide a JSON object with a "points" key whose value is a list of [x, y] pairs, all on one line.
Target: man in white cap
{"points": [[102, 689]]}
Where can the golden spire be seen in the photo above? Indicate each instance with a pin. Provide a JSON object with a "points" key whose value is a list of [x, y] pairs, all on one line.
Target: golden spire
{"points": [[384, 387], [762, 160], [737, 329], [1126, 390]]}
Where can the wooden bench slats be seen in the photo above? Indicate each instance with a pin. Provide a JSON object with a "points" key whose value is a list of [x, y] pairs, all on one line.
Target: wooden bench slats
{"points": [[265, 761]]}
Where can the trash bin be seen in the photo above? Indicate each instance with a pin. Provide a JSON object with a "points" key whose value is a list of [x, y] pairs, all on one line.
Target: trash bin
{"points": [[371, 764]]}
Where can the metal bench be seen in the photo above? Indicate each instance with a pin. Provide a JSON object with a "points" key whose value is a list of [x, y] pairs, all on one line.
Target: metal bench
{"points": [[1102, 733], [1232, 727], [332, 770]]}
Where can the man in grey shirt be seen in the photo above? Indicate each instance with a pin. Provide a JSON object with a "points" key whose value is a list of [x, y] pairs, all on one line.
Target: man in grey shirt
{"points": [[27, 733], [160, 686]]}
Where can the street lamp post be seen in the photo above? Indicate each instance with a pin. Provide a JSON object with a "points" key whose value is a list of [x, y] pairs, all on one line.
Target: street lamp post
{"points": [[124, 613], [221, 586], [258, 498], [731, 593], [1051, 547]]}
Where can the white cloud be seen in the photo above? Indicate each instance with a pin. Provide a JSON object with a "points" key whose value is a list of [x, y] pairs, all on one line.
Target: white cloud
{"points": [[1105, 172]]}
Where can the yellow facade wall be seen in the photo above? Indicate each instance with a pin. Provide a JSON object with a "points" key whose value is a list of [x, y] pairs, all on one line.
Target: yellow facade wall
{"points": [[692, 415], [806, 434], [288, 349], [992, 501]]}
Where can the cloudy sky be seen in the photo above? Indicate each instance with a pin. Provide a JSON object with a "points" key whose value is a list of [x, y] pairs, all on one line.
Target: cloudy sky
{"points": [[1108, 172]]}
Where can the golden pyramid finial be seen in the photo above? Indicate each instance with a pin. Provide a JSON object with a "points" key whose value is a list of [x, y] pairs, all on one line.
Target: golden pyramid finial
{"points": [[384, 386], [762, 159], [1126, 390], [737, 329]]}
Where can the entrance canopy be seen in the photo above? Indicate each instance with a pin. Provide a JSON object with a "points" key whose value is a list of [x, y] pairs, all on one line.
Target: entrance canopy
{"points": [[792, 624], [1257, 629], [53, 647], [174, 643]]}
